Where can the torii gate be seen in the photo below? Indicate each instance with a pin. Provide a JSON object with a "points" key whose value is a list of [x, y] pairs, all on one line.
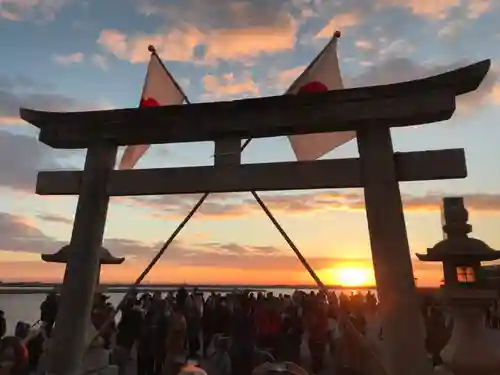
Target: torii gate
{"points": [[370, 111]]}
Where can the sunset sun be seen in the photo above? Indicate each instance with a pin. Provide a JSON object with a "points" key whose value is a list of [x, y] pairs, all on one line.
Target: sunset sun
{"points": [[352, 275]]}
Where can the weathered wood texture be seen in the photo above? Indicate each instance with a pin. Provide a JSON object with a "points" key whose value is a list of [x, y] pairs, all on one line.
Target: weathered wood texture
{"points": [[402, 104], [250, 118], [399, 308], [227, 152], [321, 174], [82, 268]]}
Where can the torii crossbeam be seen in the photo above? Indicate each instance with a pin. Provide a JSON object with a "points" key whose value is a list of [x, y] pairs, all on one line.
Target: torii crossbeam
{"points": [[370, 111]]}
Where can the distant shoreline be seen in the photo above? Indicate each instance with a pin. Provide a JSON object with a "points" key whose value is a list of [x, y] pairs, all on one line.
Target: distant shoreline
{"points": [[44, 288]]}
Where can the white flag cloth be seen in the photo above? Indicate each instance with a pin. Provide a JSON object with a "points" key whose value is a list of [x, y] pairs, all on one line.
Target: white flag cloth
{"points": [[322, 75], [159, 90]]}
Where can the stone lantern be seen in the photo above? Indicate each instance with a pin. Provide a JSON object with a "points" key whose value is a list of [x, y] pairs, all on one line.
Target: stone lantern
{"points": [[471, 349], [105, 257], [96, 358], [61, 256]]}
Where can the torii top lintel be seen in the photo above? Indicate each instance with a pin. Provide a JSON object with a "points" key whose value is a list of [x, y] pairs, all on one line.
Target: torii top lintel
{"points": [[402, 104]]}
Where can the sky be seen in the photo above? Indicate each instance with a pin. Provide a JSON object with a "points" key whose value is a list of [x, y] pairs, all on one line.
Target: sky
{"points": [[69, 55]]}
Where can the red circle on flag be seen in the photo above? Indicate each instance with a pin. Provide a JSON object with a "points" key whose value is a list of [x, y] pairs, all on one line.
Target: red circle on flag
{"points": [[313, 87], [149, 102]]}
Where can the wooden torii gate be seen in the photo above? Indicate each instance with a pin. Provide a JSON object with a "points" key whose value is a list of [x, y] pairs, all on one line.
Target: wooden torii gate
{"points": [[370, 111]]}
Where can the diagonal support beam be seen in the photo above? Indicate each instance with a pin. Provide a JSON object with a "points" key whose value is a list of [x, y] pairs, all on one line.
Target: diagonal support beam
{"points": [[289, 241], [321, 174]]}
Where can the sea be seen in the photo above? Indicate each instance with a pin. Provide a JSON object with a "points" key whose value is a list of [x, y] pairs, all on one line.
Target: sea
{"points": [[25, 306]]}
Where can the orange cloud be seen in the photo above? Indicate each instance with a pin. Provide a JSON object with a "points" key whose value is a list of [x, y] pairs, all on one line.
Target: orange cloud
{"points": [[173, 46], [11, 120], [228, 85], [440, 9], [434, 9], [495, 94], [235, 44], [21, 242], [228, 206], [218, 44]]}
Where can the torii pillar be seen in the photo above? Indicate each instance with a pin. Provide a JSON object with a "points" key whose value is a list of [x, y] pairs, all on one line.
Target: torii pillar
{"points": [[402, 323], [83, 257]]}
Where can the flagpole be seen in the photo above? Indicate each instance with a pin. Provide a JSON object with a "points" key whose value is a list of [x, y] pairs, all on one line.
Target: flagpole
{"points": [[152, 49], [336, 36]]}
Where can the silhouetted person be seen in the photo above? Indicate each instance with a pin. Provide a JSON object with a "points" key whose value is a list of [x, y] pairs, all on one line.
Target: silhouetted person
{"points": [[3, 324]]}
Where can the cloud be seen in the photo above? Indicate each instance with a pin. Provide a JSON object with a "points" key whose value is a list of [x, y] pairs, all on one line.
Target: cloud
{"points": [[401, 69], [220, 14], [174, 45], [236, 263], [100, 61], [451, 29], [97, 59], [72, 58], [462, 21], [476, 8], [55, 219], [391, 68], [21, 157], [229, 86], [366, 14], [185, 44], [426, 8], [230, 206], [207, 31], [495, 94], [341, 22], [440, 9], [24, 92], [20, 234], [364, 44], [284, 78], [20, 10]]}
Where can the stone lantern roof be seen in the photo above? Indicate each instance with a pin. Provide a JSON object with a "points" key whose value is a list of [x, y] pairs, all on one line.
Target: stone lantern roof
{"points": [[458, 245], [105, 257], [460, 248]]}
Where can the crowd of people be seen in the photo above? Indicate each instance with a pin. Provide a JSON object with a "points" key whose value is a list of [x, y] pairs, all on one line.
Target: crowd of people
{"points": [[228, 334]]}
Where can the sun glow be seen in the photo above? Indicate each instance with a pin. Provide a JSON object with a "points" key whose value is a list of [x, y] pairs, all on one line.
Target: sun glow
{"points": [[352, 275]]}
